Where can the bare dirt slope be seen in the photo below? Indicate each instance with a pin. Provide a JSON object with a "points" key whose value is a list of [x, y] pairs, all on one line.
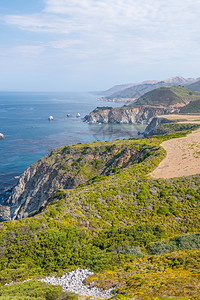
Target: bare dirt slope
{"points": [[189, 117], [182, 159]]}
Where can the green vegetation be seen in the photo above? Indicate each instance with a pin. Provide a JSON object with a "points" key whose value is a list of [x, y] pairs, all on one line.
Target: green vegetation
{"points": [[140, 233], [173, 128], [192, 107], [168, 276], [195, 86], [167, 96], [33, 289], [101, 108]]}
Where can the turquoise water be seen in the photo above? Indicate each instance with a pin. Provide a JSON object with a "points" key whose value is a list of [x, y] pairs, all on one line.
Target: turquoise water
{"points": [[29, 135]]}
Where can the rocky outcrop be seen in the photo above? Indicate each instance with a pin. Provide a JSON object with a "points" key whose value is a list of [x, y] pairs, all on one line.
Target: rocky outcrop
{"points": [[126, 114], [64, 168], [155, 122]]}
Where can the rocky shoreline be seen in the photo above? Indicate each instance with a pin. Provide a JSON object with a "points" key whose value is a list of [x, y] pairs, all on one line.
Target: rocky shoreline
{"points": [[73, 282], [126, 114]]}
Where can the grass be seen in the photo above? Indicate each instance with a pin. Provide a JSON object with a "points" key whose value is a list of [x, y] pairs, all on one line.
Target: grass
{"points": [[139, 233]]}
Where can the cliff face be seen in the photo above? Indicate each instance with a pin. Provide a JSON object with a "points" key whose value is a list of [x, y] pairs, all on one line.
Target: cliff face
{"points": [[127, 115], [155, 122], [65, 168]]}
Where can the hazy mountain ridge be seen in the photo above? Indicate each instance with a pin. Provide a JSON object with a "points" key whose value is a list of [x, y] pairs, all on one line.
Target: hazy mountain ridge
{"points": [[160, 101], [136, 90], [194, 86]]}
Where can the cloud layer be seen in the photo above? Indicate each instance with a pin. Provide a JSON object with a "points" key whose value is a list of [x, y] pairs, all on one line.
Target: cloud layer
{"points": [[125, 32]]}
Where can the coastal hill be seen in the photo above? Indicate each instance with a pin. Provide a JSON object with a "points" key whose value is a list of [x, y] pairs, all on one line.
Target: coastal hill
{"points": [[168, 96], [67, 168], [157, 102], [127, 210], [194, 86], [192, 107], [140, 235], [134, 91]]}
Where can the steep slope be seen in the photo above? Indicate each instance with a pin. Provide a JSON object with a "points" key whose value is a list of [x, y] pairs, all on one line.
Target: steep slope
{"points": [[125, 114], [66, 168], [192, 107], [137, 90], [168, 96], [160, 101], [125, 222], [194, 86]]}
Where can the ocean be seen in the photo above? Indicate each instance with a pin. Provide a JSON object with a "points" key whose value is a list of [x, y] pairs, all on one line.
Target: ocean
{"points": [[29, 135]]}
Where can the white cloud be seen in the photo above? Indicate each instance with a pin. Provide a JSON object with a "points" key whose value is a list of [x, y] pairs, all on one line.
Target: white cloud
{"points": [[40, 23], [117, 28], [28, 50], [65, 44]]}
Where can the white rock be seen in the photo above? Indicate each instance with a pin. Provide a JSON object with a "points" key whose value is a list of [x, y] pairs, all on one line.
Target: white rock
{"points": [[74, 282]]}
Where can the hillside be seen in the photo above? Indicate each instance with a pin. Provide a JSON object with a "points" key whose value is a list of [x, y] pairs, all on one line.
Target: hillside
{"points": [[194, 86], [66, 168], [135, 90], [116, 89], [168, 96], [140, 233], [192, 107], [165, 100]]}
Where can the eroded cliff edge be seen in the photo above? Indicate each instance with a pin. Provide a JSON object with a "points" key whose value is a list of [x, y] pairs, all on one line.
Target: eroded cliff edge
{"points": [[66, 168], [126, 114]]}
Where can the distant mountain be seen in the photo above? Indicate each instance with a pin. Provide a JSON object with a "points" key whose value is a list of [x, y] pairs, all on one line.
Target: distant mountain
{"points": [[116, 89], [194, 86], [167, 96], [160, 101], [135, 90]]}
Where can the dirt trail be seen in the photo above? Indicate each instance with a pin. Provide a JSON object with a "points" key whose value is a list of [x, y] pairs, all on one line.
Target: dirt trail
{"points": [[182, 159], [194, 117]]}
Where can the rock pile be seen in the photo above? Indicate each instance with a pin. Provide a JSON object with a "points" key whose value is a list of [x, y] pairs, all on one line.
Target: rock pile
{"points": [[73, 282]]}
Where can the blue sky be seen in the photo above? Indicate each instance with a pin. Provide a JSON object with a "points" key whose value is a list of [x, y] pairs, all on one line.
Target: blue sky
{"points": [[73, 45]]}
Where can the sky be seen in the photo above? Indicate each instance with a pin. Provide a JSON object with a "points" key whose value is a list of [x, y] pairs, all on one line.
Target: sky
{"points": [[91, 45]]}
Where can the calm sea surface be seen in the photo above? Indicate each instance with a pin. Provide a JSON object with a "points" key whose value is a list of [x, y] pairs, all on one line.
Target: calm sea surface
{"points": [[29, 135]]}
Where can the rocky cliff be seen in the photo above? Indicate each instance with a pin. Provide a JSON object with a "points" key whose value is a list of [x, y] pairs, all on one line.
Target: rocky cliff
{"points": [[126, 114], [155, 122], [65, 168]]}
